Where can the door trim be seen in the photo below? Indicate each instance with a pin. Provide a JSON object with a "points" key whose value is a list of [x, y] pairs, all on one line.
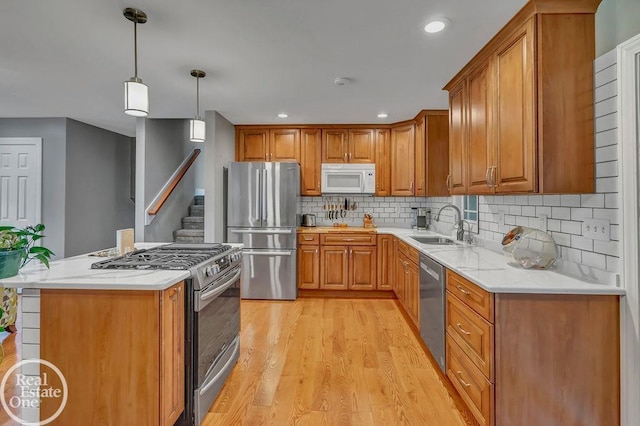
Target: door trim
{"points": [[37, 143], [628, 60]]}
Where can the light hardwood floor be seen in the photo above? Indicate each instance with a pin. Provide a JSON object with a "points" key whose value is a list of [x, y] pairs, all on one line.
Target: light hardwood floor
{"points": [[322, 362], [331, 362]]}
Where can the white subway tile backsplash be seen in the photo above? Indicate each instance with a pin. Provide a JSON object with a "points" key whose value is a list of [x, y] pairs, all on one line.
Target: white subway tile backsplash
{"points": [[535, 200], [554, 225], [610, 214], [607, 169], [30, 351], [606, 153], [561, 213], [543, 210], [606, 75], [551, 200], [595, 260], [570, 200], [606, 91], [592, 200], [529, 211], [571, 254], [613, 263], [611, 201], [30, 304], [607, 106], [515, 210], [561, 239], [31, 335], [610, 248], [30, 320], [606, 122], [609, 184], [570, 227], [581, 213], [582, 243], [607, 138]]}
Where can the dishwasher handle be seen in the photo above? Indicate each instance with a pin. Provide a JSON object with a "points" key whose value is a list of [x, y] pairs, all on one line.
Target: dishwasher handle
{"points": [[430, 271]]}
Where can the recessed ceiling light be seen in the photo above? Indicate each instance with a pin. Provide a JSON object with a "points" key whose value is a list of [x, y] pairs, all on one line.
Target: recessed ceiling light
{"points": [[437, 25], [283, 115], [382, 115]]}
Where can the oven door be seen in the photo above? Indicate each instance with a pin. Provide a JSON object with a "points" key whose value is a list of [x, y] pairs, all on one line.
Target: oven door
{"points": [[217, 322]]}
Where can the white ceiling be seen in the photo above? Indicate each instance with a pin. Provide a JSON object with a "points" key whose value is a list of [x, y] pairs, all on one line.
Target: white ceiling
{"points": [[68, 58]]}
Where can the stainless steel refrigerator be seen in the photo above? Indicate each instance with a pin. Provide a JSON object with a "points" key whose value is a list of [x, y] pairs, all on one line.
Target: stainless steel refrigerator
{"points": [[261, 213]]}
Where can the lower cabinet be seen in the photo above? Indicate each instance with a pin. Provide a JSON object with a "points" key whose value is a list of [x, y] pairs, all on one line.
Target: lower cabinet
{"points": [[334, 267], [386, 259], [407, 281], [309, 267], [131, 368], [533, 359]]}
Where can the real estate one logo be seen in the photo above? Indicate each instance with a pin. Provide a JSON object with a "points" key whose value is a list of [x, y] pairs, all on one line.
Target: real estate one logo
{"points": [[32, 390]]}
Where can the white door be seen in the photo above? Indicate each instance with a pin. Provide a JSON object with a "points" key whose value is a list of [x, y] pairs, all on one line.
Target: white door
{"points": [[20, 181]]}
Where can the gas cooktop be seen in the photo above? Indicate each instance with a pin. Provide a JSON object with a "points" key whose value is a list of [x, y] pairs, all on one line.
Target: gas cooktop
{"points": [[170, 256]]}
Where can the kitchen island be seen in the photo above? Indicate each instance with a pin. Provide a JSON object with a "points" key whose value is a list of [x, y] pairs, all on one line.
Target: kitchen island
{"points": [[117, 337]]}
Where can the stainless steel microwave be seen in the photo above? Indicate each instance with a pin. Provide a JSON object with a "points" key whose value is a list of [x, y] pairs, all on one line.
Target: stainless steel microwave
{"points": [[348, 178]]}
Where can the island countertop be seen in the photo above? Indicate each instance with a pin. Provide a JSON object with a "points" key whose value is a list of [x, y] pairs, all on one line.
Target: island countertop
{"points": [[76, 273]]}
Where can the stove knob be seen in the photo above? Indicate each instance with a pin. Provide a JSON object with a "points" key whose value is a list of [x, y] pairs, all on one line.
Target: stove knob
{"points": [[209, 272], [216, 269]]}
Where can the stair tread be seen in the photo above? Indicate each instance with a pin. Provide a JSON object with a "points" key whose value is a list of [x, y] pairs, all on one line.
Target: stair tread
{"points": [[193, 219], [189, 232]]}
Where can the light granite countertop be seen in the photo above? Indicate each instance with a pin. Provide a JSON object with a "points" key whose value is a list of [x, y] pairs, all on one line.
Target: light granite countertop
{"points": [[76, 273]]}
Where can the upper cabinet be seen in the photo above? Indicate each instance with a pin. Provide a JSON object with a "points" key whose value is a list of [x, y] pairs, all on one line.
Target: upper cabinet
{"points": [[433, 166], [267, 144], [348, 146], [402, 159], [521, 111], [310, 162], [383, 162]]}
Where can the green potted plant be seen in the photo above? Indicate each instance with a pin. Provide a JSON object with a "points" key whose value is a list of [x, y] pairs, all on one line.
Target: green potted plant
{"points": [[17, 248]]}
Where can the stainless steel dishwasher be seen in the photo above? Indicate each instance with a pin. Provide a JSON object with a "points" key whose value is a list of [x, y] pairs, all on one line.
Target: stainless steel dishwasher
{"points": [[432, 306]]}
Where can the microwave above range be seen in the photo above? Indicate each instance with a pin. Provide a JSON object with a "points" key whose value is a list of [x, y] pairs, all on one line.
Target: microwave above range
{"points": [[348, 178]]}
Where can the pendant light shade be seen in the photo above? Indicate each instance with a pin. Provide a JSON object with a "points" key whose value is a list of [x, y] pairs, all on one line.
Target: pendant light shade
{"points": [[197, 130], [136, 98], [136, 93], [197, 126]]}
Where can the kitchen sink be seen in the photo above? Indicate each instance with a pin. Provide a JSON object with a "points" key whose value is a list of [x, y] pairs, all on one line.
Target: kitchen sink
{"points": [[437, 241]]}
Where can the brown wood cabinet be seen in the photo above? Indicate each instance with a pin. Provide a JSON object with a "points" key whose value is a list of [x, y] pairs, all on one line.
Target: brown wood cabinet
{"points": [[362, 268], [348, 146], [436, 141], [309, 266], [132, 346], [403, 160], [310, 162], [521, 111], [407, 278], [386, 266], [554, 357], [420, 158], [383, 162], [334, 267], [267, 144]]}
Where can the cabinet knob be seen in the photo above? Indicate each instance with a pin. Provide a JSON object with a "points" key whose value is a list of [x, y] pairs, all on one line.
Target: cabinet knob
{"points": [[350, 154], [345, 156], [411, 186], [486, 177], [318, 186]]}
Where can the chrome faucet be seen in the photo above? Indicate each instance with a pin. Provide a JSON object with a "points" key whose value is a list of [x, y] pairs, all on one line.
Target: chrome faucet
{"points": [[459, 223]]}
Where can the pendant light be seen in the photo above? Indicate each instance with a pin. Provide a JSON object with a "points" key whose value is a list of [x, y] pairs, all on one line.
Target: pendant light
{"points": [[197, 126], [136, 93]]}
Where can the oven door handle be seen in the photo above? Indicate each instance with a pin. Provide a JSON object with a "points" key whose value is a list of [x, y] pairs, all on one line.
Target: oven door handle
{"points": [[215, 378], [221, 289], [267, 253]]}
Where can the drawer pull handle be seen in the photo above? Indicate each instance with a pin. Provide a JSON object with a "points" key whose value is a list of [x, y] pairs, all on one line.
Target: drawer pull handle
{"points": [[308, 239], [463, 291], [465, 384], [348, 239], [462, 330]]}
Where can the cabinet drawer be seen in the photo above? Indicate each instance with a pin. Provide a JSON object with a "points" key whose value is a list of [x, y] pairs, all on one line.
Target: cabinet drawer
{"points": [[348, 239], [473, 387], [413, 255], [308, 239], [472, 333], [403, 247], [477, 298]]}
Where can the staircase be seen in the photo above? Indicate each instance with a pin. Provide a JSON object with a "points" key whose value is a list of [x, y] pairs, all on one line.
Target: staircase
{"points": [[193, 225]]}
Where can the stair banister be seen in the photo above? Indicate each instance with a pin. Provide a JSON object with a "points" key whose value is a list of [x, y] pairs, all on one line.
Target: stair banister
{"points": [[169, 187]]}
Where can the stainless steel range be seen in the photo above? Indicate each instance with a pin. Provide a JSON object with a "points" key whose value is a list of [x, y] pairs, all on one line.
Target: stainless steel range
{"points": [[212, 317]]}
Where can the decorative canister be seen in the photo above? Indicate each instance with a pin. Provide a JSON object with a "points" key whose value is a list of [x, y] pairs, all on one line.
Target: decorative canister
{"points": [[529, 248]]}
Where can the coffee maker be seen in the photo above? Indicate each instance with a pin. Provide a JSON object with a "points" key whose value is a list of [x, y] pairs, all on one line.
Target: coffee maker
{"points": [[423, 218]]}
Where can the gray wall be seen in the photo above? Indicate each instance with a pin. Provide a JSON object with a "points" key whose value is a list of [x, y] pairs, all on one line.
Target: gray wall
{"points": [[616, 21], [53, 133], [97, 187], [220, 150], [162, 146]]}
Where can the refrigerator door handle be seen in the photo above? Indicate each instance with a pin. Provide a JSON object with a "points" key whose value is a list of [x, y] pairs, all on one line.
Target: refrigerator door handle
{"points": [[264, 195], [257, 217], [261, 231]]}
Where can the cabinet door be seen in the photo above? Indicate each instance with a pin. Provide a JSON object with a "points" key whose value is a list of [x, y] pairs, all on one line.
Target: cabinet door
{"points": [[308, 267], [400, 276], [362, 268], [437, 153], [252, 144], [284, 145], [479, 172], [420, 158], [335, 145], [362, 146], [515, 113], [334, 267], [413, 293], [310, 162], [172, 354], [457, 140], [383, 162], [402, 160], [385, 262]]}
